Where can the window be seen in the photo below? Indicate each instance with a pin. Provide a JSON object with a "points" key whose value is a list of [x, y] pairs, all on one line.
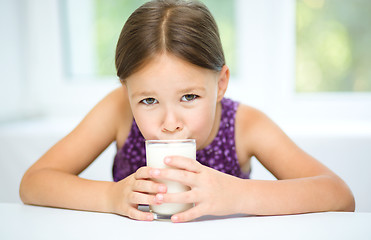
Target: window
{"points": [[91, 29], [267, 56], [332, 50]]}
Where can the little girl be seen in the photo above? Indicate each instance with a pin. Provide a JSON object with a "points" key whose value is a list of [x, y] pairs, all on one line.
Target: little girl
{"points": [[171, 64]]}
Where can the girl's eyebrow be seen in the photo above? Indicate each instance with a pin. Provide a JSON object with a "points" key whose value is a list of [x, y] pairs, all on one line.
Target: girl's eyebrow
{"points": [[192, 89], [142, 93]]}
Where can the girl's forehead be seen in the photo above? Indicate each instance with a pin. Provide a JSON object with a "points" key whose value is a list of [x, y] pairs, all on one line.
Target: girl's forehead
{"points": [[169, 67], [168, 59]]}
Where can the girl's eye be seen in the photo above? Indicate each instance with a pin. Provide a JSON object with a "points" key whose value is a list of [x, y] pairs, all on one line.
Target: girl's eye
{"points": [[189, 97], [149, 101]]}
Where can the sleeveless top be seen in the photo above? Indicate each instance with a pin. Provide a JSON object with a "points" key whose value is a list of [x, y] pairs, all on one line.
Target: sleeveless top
{"points": [[220, 154]]}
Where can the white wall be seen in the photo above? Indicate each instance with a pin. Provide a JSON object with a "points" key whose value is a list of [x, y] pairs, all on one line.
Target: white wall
{"points": [[11, 59]]}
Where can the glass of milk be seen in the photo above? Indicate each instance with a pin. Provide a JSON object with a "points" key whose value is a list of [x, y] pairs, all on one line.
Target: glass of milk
{"points": [[156, 151]]}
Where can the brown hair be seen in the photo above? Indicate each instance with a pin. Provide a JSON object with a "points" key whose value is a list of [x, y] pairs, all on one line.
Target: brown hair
{"points": [[185, 29]]}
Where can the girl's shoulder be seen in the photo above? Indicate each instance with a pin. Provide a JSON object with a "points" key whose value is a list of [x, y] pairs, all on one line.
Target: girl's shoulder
{"points": [[251, 126], [248, 117], [114, 110], [121, 113], [254, 123]]}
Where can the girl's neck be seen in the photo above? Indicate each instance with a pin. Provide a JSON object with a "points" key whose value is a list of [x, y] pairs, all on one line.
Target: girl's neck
{"points": [[216, 125]]}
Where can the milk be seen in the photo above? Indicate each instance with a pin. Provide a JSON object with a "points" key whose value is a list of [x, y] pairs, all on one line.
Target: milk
{"points": [[156, 151]]}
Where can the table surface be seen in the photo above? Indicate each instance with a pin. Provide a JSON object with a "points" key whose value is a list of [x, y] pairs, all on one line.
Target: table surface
{"points": [[19, 221]]}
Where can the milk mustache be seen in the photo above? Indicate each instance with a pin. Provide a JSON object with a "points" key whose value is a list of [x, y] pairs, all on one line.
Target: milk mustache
{"points": [[156, 151]]}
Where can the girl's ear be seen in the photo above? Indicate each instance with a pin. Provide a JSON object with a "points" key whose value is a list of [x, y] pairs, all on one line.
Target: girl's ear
{"points": [[223, 80]]}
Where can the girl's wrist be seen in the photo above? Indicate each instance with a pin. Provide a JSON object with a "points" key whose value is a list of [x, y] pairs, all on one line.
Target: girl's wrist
{"points": [[244, 197], [237, 196], [108, 199]]}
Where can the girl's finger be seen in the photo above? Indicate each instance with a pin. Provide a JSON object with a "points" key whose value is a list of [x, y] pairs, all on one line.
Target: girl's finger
{"points": [[188, 215], [178, 175], [181, 197], [142, 198], [134, 213], [148, 186], [183, 163], [142, 173]]}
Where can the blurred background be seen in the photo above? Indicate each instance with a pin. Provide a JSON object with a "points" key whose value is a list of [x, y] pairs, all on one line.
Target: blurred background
{"points": [[306, 63]]}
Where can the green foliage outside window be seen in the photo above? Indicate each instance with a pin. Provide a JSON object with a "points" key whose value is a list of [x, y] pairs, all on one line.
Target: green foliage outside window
{"points": [[333, 48]]}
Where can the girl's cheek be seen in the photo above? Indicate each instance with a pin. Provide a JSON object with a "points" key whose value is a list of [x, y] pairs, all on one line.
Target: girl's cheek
{"points": [[147, 126], [202, 128]]}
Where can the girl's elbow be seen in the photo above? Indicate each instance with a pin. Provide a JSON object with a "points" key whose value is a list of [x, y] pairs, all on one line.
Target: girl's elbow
{"points": [[342, 198], [24, 189], [350, 205]]}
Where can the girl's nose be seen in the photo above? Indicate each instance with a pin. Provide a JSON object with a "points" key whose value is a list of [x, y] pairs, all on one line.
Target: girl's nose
{"points": [[171, 122]]}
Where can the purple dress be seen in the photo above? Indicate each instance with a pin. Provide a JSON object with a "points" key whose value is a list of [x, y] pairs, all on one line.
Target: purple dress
{"points": [[220, 154]]}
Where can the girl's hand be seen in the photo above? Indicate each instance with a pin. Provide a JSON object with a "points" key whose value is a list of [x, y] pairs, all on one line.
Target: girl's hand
{"points": [[127, 194], [212, 191]]}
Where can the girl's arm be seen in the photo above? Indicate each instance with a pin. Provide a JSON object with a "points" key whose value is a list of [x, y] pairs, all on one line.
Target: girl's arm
{"points": [[304, 184], [53, 180]]}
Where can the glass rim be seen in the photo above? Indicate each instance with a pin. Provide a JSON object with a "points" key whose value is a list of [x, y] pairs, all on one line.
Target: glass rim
{"points": [[168, 141]]}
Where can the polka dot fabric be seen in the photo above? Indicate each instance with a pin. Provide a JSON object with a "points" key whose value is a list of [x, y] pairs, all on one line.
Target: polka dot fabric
{"points": [[220, 154]]}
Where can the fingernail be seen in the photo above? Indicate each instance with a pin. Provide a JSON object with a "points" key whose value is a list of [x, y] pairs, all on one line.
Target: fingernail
{"points": [[155, 172], [174, 218], [159, 197], [149, 217], [162, 188], [155, 201], [167, 160]]}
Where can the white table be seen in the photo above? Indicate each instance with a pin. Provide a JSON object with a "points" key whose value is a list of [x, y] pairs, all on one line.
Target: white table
{"points": [[19, 221]]}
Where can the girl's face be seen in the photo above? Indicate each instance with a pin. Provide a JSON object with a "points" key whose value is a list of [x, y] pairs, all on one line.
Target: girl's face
{"points": [[173, 99]]}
